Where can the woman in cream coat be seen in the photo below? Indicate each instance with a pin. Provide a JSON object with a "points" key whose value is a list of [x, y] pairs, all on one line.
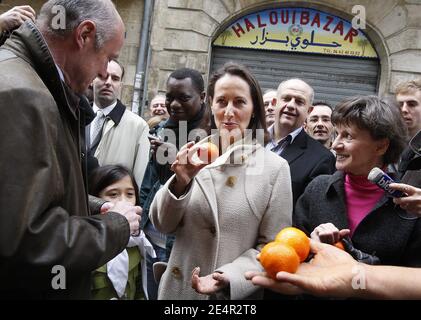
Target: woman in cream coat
{"points": [[224, 212]]}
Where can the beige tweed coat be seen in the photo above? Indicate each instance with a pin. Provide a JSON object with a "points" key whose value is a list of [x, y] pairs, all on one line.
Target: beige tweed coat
{"points": [[233, 207]]}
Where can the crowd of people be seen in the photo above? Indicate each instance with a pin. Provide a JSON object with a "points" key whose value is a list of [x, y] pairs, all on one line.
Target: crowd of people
{"points": [[130, 210]]}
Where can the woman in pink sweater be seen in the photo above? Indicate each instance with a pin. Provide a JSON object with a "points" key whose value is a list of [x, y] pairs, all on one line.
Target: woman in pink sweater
{"points": [[370, 133]]}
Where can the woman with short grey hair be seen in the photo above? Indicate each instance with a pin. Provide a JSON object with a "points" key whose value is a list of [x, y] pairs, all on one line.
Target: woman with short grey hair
{"points": [[370, 133]]}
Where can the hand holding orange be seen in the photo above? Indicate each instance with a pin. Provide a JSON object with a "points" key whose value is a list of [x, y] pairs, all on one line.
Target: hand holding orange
{"points": [[208, 152], [291, 246], [276, 257], [297, 239]]}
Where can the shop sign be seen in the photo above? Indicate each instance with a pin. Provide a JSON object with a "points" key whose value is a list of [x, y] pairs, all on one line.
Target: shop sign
{"points": [[297, 30]]}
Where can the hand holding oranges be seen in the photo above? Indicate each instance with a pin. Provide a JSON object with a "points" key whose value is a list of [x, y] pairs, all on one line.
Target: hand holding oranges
{"points": [[295, 238], [276, 257], [291, 246]]}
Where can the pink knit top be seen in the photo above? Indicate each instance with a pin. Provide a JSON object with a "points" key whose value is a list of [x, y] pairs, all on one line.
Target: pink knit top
{"points": [[361, 196]]}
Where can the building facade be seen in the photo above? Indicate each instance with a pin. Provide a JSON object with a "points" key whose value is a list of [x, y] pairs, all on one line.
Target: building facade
{"points": [[336, 59], [314, 40]]}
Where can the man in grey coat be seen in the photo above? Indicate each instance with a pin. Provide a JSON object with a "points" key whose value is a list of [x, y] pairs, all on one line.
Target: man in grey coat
{"points": [[49, 241]]}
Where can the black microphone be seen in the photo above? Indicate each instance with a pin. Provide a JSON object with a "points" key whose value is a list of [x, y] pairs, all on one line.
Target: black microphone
{"points": [[381, 179]]}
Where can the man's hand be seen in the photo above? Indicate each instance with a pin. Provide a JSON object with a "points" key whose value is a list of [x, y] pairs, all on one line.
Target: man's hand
{"points": [[13, 18], [131, 213], [163, 152], [329, 273], [107, 206]]}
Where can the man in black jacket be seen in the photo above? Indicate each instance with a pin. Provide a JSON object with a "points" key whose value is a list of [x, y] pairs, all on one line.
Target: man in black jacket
{"points": [[307, 158], [49, 241], [408, 96]]}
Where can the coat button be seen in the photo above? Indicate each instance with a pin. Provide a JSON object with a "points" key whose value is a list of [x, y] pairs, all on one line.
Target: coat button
{"points": [[231, 180], [176, 272], [212, 230]]}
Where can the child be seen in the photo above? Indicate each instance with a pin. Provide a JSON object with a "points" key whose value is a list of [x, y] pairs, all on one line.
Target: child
{"points": [[119, 278]]}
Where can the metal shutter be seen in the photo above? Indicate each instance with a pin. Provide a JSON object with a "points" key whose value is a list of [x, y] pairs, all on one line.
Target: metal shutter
{"points": [[333, 78]]}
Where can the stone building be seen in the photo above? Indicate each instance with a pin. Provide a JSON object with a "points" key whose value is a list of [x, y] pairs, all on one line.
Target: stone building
{"points": [[314, 40], [203, 34], [131, 12]]}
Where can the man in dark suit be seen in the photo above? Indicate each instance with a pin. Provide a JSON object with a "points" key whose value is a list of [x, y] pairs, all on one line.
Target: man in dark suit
{"points": [[307, 157]]}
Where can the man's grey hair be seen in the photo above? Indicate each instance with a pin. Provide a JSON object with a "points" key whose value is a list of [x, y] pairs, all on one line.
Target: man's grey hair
{"points": [[102, 12], [310, 102]]}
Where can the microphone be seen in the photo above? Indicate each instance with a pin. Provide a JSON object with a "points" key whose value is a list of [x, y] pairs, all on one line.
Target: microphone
{"points": [[378, 177]]}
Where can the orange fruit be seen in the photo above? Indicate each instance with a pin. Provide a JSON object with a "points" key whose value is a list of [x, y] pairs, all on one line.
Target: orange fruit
{"points": [[297, 239], [276, 257], [210, 153], [339, 245]]}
